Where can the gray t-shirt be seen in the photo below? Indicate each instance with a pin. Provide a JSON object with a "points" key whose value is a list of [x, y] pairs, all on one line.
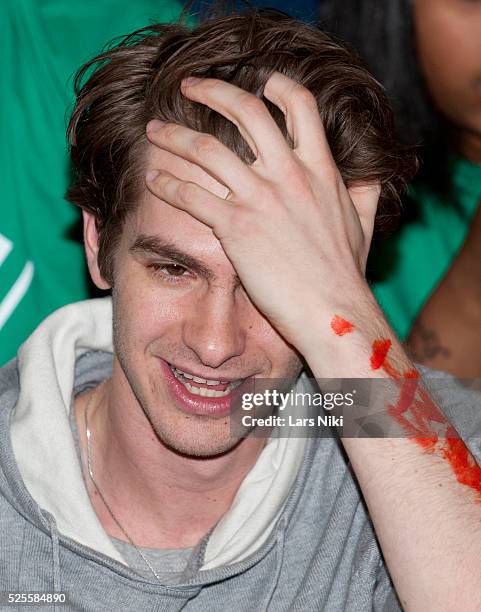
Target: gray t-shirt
{"points": [[170, 564]]}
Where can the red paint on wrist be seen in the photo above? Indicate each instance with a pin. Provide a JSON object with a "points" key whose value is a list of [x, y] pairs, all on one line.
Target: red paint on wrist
{"points": [[341, 326]]}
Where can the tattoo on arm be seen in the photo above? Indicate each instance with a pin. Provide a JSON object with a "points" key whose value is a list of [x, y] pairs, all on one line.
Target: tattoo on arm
{"points": [[427, 344]]}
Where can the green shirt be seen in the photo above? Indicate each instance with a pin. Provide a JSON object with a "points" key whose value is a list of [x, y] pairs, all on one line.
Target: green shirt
{"points": [[417, 257], [43, 43]]}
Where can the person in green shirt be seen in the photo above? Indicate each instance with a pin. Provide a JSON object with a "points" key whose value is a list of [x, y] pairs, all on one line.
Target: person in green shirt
{"points": [[43, 43], [427, 54]]}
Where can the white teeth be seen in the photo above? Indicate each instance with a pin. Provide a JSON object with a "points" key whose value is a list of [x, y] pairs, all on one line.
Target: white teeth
{"points": [[197, 379], [183, 376], [206, 392]]}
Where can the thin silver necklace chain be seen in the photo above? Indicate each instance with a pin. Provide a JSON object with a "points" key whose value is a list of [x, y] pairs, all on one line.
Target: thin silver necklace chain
{"points": [[91, 474]]}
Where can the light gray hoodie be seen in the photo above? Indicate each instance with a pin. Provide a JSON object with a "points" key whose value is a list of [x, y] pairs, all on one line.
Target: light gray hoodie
{"points": [[297, 536]]}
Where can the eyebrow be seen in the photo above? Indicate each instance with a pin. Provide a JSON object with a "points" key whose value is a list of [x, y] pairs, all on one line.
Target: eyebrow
{"points": [[153, 245]]}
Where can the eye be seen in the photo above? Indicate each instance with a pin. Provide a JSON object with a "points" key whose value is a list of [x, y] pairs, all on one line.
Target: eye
{"points": [[173, 269], [168, 270]]}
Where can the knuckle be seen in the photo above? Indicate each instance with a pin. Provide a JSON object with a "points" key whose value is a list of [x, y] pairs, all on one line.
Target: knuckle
{"points": [[295, 173], [211, 86], [266, 201], [302, 98], [185, 192], [267, 193], [162, 180], [252, 105], [300, 183], [329, 175], [204, 145], [169, 130], [167, 185], [242, 222]]}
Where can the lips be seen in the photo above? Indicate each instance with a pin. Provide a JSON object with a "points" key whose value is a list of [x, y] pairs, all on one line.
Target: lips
{"points": [[201, 396]]}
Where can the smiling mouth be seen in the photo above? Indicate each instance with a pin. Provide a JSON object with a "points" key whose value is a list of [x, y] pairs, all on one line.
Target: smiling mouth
{"points": [[205, 387]]}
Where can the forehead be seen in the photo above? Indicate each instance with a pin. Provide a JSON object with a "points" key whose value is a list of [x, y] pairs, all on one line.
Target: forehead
{"points": [[155, 217]]}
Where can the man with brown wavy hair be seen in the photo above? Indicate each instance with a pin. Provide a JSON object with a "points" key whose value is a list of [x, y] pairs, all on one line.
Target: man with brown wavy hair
{"points": [[230, 178]]}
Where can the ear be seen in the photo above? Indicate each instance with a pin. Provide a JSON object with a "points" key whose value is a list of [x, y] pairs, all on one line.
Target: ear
{"points": [[91, 243]]}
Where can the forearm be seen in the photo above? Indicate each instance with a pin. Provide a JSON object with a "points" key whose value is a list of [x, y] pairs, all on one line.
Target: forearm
{"points": [[427, 523], [423, 490]]}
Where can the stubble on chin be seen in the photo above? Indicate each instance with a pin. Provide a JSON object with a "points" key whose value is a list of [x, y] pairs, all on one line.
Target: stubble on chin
{"points": [[197, 437]]}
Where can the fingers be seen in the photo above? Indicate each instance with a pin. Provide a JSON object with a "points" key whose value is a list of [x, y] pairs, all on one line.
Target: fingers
{"points": [[190, 197], [365, 198], [246, 111], [206, 152], [302, 119]]}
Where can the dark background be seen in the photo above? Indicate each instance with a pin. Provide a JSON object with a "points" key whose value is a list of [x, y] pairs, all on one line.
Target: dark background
{"points": [[307, 10]]}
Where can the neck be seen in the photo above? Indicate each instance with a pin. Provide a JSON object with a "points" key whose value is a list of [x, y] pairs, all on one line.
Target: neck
{"points": [[160, 498]]}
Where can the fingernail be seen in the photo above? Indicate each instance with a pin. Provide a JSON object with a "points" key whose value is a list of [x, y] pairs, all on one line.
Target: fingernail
{"points": [[151, 175], [154, 125], [190, 81]]}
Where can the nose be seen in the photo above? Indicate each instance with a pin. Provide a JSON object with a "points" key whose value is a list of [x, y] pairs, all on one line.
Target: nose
{"points": [[215, 329]]}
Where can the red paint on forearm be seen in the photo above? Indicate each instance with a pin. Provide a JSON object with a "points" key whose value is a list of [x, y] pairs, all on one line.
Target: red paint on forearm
{"points": [[465, 468], [421, 419], [380, 349], [419, 416], [416, 412], [341, 326]]}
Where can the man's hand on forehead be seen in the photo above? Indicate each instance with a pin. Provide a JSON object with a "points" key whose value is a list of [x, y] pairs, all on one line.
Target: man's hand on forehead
{"points": [[298, 238]]}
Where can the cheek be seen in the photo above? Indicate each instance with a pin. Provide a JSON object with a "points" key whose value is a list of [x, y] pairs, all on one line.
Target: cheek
{"points": [[143, 314], [286, 362], [449, 49], [436, 66]]}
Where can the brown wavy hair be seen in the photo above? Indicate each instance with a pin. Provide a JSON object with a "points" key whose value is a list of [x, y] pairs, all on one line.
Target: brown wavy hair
{"points": [[128, 84]]}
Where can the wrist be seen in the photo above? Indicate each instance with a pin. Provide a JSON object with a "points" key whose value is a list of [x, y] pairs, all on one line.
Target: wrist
{"points": [[356, 306], [339, 335]]}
